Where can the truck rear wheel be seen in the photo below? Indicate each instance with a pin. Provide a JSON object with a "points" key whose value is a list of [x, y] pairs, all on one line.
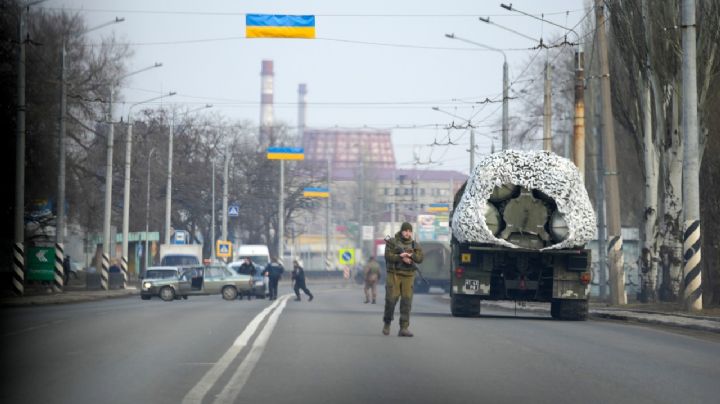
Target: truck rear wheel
{"points": [[566, 309], [464, 306]]}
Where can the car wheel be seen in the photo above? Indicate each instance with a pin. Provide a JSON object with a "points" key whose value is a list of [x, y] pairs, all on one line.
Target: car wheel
{"points": [[229, 293], [167, 294], [144, 297]]}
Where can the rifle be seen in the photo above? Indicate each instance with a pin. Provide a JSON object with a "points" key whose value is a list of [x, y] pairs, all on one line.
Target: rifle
{"points": [[398, 250]]}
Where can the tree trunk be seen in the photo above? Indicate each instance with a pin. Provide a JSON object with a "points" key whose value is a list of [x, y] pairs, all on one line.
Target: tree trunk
{"points": [[648, 269], [671, 249]]}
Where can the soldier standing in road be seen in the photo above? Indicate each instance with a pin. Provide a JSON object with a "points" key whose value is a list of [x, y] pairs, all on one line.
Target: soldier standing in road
{"points": [[372, 277], [298, 278], [273, 271], [402, 254]]}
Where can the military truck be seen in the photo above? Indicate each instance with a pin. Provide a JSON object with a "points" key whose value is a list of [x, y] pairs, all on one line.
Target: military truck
{"points": [[519, 227], [435, 268]]}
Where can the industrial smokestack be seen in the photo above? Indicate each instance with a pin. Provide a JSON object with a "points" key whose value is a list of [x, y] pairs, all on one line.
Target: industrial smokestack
{"points": [[302, 109], [266, 102]]}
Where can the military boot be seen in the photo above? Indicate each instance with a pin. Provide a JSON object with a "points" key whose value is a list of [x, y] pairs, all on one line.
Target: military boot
{"points": [[404, 332], [386, 329]]}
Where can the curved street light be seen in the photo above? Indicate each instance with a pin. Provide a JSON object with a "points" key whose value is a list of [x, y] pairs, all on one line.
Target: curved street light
{"points": [[109, 174], [168, 194], [126, 193], [506, 85]]}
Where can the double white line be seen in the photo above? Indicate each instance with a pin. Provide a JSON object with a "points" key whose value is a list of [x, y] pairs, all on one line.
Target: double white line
{"points": [[231, 391]]}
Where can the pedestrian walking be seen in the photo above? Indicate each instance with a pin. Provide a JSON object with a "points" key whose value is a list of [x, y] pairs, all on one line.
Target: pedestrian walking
{"points": [[372, 277], [402, 254], [274, 271], [66, 270], [298, 278]]}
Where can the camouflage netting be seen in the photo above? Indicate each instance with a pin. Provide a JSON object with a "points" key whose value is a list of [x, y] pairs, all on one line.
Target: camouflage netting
{"points": [[555, 176]]}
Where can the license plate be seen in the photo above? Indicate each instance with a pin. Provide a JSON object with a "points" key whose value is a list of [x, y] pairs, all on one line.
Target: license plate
{"points": [[472, 284]]}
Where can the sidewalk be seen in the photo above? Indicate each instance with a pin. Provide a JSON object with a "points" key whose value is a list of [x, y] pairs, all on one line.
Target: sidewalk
{"points": [[74, 294], [667, 314]]}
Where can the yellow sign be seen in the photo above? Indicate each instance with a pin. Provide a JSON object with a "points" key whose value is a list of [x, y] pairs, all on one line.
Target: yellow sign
{"points": [[346, 256], [223, 249], [465, 258]]}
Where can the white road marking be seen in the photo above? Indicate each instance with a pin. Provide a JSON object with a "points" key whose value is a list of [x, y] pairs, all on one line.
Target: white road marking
{"points": [[198, 392], [231, 391]]}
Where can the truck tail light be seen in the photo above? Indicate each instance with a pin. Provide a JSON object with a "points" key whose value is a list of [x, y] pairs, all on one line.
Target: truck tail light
{"points": [[585, 278], [459, 272]]}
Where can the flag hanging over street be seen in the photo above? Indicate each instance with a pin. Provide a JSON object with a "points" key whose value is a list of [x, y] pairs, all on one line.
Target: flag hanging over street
{"points": [[316, 193], [279, 26], [439, 207], [285, 153]]}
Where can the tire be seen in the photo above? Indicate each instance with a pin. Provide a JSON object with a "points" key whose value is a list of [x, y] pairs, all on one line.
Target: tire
{"points": [[167, 293], [464, 306], [229, 293], [569, 310], [145, 297]]}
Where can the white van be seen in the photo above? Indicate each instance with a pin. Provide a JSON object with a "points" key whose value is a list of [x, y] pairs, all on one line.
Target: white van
{"points": [[259, 254]]}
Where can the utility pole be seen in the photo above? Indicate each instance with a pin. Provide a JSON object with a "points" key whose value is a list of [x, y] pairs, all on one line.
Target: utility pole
{"points": [[579, 124], [615, 253], [692, 270], [281, 213], [168, 192], [225, 194], [328, 261], [547, 109], [212, 220], [18, 281]]}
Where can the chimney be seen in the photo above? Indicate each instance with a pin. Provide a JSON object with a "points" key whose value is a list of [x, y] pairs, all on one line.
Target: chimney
{"points": [[266, 102], [302, 110]]}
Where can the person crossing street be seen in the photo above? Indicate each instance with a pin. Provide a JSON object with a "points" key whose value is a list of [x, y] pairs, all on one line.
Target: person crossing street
{"points": [[298, 278]]}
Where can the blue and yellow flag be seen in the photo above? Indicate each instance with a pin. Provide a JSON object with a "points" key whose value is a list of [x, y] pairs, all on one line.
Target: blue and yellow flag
{"points": [[279, 26], [316, 193], [285, 153], [439, 207]]}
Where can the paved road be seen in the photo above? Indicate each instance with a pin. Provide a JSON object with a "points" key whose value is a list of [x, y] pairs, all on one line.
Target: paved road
{"points": [[331, 350]]}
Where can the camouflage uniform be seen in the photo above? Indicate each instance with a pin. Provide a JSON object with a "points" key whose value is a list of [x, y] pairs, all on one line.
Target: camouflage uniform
{"points": [[372, 276], [400, 279]]}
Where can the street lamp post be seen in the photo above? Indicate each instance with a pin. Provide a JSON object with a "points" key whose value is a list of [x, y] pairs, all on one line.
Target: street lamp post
{"points": [[109, 176], [506, 85], [147, 208], [126, 193], [168, 194]]}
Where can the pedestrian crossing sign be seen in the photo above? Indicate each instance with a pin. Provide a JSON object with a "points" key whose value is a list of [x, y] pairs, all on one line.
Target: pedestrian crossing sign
{"points": [[233, 211], [346, 256], [223, 249]]}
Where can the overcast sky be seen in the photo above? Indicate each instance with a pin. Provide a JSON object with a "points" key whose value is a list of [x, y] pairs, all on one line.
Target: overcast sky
{"points": [[374, 63]]}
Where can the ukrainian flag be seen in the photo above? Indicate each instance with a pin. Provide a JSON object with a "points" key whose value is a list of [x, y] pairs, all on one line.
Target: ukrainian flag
{"points": [[316, 193], [279, 26], [439, 207], [285, 153]]}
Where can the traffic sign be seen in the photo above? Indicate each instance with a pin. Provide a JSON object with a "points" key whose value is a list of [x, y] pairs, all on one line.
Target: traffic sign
{"points": [[234, 211], [346, 256], [223, 249]]}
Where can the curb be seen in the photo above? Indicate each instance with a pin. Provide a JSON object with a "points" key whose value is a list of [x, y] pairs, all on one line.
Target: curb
{"points": [[65, 298]]}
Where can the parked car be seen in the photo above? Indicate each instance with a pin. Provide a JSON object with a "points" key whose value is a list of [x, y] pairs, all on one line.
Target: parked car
{"points": [[154, 273], [259, 289], [199, 280]]}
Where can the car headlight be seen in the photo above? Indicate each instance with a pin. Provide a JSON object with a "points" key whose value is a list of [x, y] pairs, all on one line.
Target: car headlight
{"points": [[147, 285]]}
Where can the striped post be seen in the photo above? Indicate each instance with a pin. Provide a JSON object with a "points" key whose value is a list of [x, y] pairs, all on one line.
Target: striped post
{"points": [[691, 267], [124, 268], [104, 272], [617, 290], [328, 264], [59, 270], [18, 277]]}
